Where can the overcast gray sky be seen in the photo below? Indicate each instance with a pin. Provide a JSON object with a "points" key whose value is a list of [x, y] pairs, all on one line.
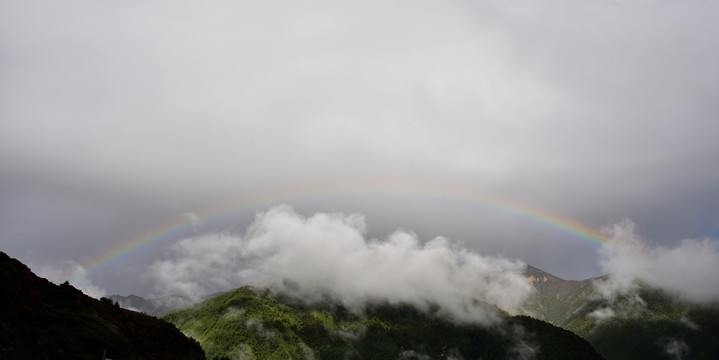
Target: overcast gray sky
{"points": [[117, 117]]}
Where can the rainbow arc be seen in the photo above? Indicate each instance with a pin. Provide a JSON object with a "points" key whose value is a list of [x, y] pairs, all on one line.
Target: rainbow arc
{"points": [[528, 212]]}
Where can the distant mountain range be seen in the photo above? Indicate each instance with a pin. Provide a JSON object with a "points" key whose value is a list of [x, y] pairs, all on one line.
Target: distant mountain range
{"points": [[644, 324], [569, 320], [41, 320]]}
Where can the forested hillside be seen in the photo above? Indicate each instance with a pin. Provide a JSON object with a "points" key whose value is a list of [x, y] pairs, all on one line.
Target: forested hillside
{"points": [[646, 323], [649, 324], [250, 323]]}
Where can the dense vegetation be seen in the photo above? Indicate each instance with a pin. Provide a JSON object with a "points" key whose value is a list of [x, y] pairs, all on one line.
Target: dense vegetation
{"points": [[41, 320], [556, 299], [650, 324], [249, 323], [644, 324]]}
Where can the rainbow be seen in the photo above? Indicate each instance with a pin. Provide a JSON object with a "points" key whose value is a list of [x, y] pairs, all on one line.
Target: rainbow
{"points": [[497, 203]]}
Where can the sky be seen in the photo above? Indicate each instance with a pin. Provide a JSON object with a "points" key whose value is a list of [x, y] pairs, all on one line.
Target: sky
{"points": [[118, 118]]}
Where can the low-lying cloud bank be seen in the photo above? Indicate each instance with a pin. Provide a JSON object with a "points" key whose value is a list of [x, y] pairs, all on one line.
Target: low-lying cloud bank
{"points": [[327, 255], [688, 269]]}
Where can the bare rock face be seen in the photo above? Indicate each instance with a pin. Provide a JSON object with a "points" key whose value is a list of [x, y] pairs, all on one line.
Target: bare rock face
{"points": [[41, 320]]}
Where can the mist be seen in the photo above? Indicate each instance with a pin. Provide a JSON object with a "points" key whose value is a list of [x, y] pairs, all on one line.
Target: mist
{"points": [[73, 273], [327, 257], [686, 269], [118, 117], [677, 349]]}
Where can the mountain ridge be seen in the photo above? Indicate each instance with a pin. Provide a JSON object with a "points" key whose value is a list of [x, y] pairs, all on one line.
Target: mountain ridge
{"points": [[256, 323], [41, 320], [557, 299], [643, 323]]}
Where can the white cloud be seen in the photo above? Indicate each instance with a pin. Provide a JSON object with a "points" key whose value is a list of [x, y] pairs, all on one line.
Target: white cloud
{"points": [[687, 269], [327, 256], [629, 306], [602, 313], [199, 266]]}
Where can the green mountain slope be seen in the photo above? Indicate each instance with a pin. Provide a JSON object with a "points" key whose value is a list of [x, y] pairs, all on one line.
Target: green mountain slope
{"points": [[649, 324], [41, 320], [556, 299], [251, 324], [644, 324]]}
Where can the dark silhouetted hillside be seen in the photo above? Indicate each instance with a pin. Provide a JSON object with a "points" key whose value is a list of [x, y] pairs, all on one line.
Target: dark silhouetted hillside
{"points": [[41, 320]]}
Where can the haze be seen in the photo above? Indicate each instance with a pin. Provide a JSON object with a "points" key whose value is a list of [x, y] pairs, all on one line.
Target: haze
{"points": [[118, 117]]}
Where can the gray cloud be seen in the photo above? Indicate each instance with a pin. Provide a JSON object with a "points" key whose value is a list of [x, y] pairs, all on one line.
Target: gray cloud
{"points": [[194, 220], [73, 273], [142, 111], [327, 256]]}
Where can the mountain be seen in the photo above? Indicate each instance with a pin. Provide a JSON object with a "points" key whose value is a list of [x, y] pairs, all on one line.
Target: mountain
{"points": [[649, 323], [646, 323], [556, 299], [255, 324], [570, 320], [41, 320]]}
